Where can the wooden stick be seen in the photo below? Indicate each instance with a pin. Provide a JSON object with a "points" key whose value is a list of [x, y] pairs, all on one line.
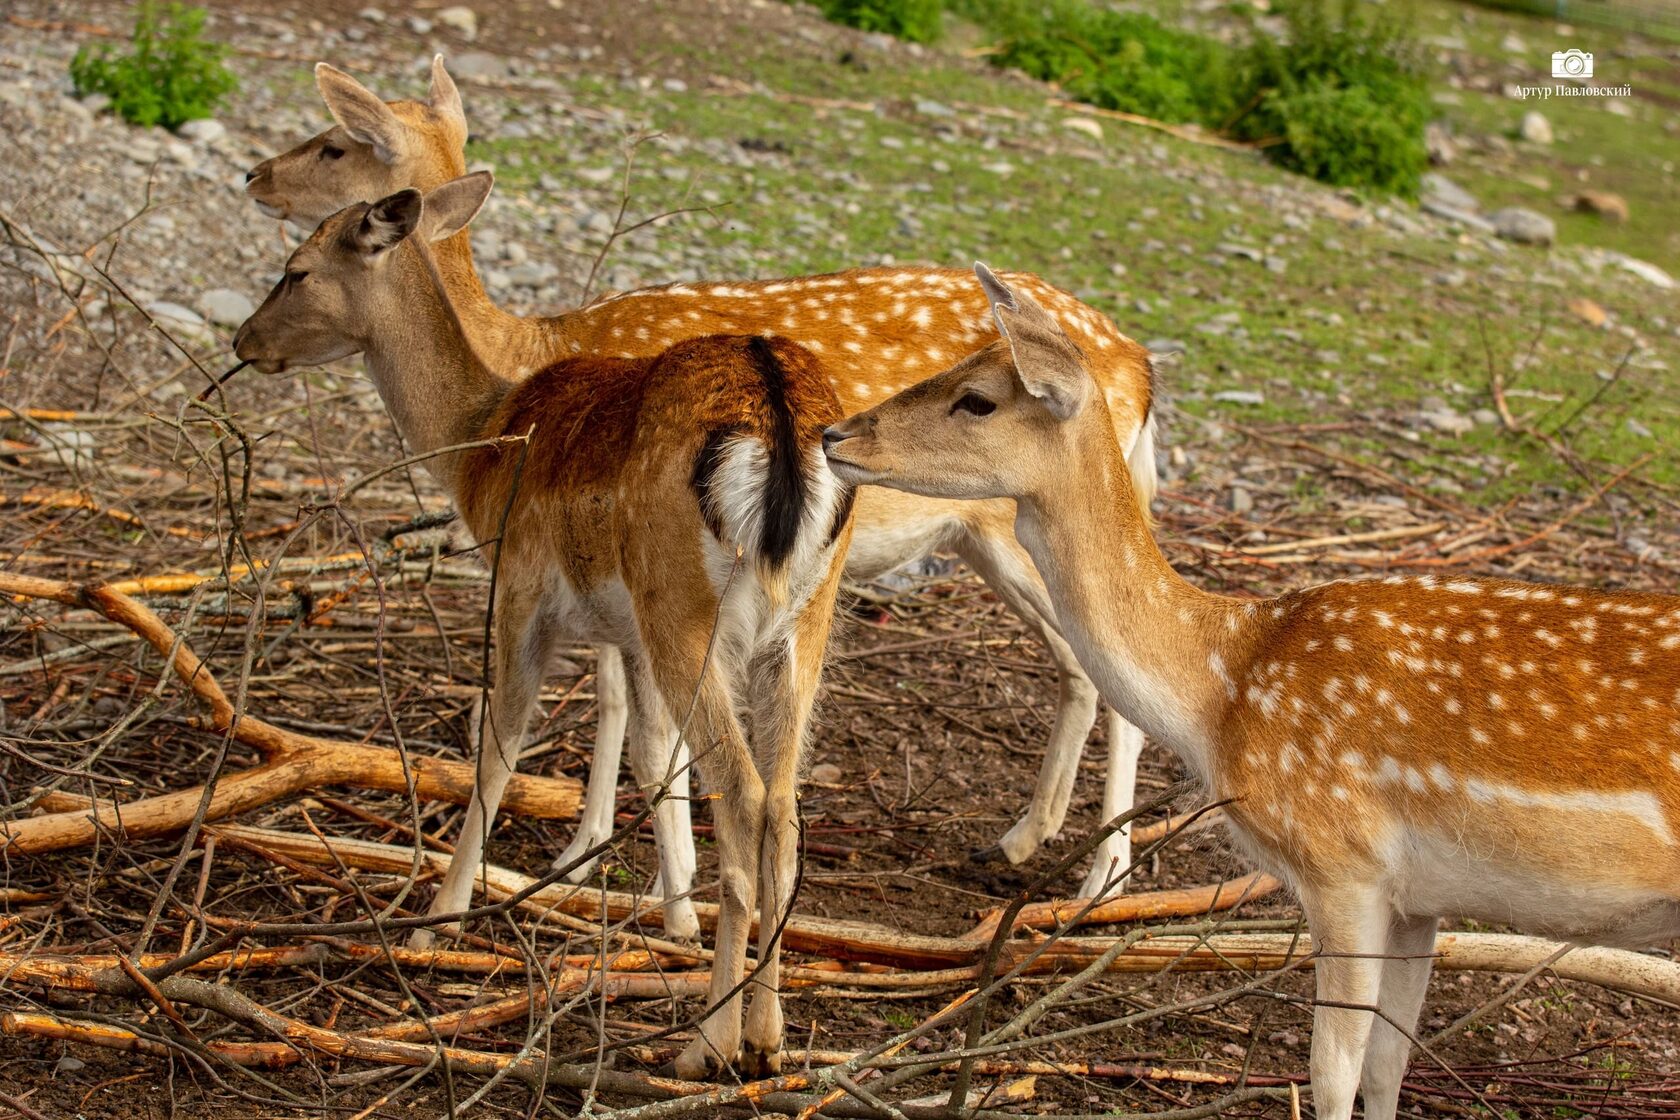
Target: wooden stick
{"points": [[291, 762], [828, 937]]}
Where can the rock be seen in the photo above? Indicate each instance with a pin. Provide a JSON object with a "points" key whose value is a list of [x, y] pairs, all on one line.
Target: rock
{"points": [[206, 131], [1240, 500], [1437, 188], [1513, 44], [182, 322], [1090, 126], [419, 26], [1453, 214], [372, 15], [934, 108], [1535, 128], [532, 273], [1638, 429], [826, 773], [460, 18], [478, 64], [1240, 396], [1001, 167], [1247, 252], [1485, 416], [1440, 145], [1164, 346], [1447, 420], [1645, 270], [597, 174], [1606, 204], [1588, 312], [225, 307], [1524, 226]]}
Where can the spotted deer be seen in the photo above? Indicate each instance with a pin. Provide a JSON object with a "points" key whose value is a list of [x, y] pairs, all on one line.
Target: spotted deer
{"points": [[876, 329], [1398, 750], [677, 507]]}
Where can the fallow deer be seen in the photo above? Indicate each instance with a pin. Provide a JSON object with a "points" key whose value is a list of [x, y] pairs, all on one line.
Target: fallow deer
{"points": [[677, 507], [877, 329], [1398, 750]]}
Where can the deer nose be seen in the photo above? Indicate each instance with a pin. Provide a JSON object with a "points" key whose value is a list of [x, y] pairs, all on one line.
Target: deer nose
{"points": [[832, 435], [251, 174]]}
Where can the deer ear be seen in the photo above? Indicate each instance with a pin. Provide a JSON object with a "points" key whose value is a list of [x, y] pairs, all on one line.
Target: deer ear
{"points": [[445, 97], [450, 207], [1049, 364], [359, 112], [387, 222]]}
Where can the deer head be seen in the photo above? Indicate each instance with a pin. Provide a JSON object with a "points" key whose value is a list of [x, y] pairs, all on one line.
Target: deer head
{"points": [[375, 148], [350, 281], [997, 424]]}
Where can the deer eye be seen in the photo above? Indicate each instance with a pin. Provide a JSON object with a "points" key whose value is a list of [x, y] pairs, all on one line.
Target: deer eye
{"points": [[331, 151], [293, 278], [975, 403]]}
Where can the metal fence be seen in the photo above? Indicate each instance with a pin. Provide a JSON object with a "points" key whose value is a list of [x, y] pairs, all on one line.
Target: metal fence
{"points": [[1658, 16]]}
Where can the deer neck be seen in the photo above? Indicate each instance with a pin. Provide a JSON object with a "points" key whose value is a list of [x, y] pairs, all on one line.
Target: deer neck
{"points": [[436, 388], [516, 346], [1160, 651]]}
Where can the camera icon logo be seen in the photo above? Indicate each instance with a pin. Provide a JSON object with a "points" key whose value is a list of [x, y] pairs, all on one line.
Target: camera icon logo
{"points": [[1572, 63]]}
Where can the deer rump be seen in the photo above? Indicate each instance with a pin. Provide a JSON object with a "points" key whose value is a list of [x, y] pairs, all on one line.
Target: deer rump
{"points": [[704, 463]]}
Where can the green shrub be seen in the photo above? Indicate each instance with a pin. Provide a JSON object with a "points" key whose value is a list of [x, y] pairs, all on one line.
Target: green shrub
{"points": [[1344, 100], [172, 76], [916, 20], [1118, 60]]}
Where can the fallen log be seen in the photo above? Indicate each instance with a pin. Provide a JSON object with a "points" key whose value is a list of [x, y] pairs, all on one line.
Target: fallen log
{"points": [[291, 762]]}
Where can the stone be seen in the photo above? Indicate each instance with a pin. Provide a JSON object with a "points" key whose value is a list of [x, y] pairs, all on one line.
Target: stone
{"points": [[1447, 420], [225, 307], [1638, 429], [1588, 311], [479, 64], [1164, 346], [179, 320], [934, 109], [1646, 271], [1535, 128], [1485, 416], [419, 25], [1001, 167], [1090, 126], [1440, 145], [372, 15], [1436, 187], [826, 773], [205, 131], [1240, 500], [1240, 396], [1524, 226], [1606, 204]]}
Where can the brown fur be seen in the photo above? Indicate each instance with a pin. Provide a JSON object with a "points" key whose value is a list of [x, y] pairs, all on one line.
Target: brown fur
{"points": [[597, 534]]}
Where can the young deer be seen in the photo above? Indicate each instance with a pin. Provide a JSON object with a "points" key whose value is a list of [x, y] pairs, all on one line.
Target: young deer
{"points": [[1398, 750], [657, 499], [877, 330]]}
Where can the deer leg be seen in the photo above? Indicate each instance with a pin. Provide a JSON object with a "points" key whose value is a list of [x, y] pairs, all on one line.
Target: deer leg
{"points": [[1405, 979], [1114, 854], [601, 797], [1009, 571], [522, 646], [781, 719], [659, 761], [1349, 926]]}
